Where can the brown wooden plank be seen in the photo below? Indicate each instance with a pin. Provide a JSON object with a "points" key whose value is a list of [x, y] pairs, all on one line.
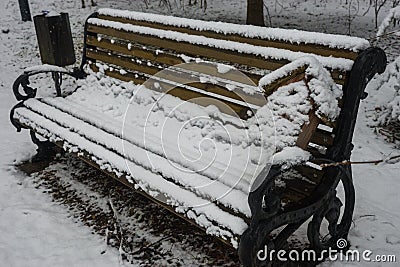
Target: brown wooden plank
{"points": [[165, 57], [295, 76], [202, 99], [129, 77], [182, 93], [124, 63], [209, 69], [86, 157], [307, 131], [301, 47], [202, 51], [322, 138], [127, 63], [192, 50], [315, 152]]}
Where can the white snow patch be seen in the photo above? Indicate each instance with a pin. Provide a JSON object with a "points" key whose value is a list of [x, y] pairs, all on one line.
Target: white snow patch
{"points": [[292, 36]]}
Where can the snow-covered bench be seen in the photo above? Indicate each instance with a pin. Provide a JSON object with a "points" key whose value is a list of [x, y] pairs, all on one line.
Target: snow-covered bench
{"points": [[232, 139]]}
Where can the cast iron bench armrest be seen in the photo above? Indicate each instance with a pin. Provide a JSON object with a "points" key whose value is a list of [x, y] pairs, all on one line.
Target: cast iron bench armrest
{"points": [[23, 79], [263, 201]]}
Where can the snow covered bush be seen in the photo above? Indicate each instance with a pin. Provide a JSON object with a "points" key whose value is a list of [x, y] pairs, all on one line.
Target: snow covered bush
{"points": [[392, 16], [384, 96], [384, 91]]}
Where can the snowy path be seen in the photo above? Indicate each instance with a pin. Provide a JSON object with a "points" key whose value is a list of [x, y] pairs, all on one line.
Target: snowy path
{"points": [[376, 219], [34, 230]]}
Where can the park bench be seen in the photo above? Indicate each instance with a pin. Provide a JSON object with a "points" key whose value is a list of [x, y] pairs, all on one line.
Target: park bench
{"points": [[214, 82]]}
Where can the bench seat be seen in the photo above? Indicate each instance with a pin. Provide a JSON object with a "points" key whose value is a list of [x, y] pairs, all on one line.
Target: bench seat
{"points": [[89, 122], [101, 152]]}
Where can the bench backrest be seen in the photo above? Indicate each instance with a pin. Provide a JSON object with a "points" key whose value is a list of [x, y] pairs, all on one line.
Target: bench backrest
{"points": [[139, 45]]}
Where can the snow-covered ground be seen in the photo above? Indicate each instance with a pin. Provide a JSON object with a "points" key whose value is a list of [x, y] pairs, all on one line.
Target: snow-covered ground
{"points": [[35, 231]]}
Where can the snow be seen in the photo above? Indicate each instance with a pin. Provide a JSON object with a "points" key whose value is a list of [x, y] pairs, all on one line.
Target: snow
{"points": [[34, 230], [204, 159], [293, 36], [393, 14], [52, 13], [384, 96], [38, 232], [266, 52], [44, 68], [222, 68], [128, 150], [323, 89], [151, 182], [210, 160], [290, 156]]}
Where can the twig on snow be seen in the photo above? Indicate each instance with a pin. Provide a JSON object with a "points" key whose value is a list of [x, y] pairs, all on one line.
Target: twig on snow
{"points": [[151, 245], [389, 160], [119, 229]]}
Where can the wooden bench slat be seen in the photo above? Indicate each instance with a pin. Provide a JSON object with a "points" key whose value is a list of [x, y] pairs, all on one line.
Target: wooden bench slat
{"points": [[121, 46], [296, 47], [315, 152], [90, 127], [201, 50], [308, 131], [321, 138], [159, 56], [163, 196], [304, 137], [294, 76], [178, 77], [190, 49], [182, 93]]}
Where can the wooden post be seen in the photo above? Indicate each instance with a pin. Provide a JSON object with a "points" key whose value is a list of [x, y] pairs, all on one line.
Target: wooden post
{"points": [[25, 11], [255, 12]]}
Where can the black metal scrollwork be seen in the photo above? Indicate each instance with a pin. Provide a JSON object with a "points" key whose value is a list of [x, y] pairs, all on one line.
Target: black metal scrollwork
{"points": [[23, 81], [265, 205], [331, 211], [368, 63]]}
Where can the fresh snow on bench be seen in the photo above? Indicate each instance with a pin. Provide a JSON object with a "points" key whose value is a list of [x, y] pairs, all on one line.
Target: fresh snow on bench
{"points": [[293, 36], [43, 68], [122, 126], [323, 89], [266, 52]]}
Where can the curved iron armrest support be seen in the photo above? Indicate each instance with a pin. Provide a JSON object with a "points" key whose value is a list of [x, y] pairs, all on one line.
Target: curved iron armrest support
{"points": [[266, 208], [368, 63], [77, 73], [23, 81]]}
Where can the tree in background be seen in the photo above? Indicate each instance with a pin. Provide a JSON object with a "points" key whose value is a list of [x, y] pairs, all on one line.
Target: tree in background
{"points": [[255, 12]]}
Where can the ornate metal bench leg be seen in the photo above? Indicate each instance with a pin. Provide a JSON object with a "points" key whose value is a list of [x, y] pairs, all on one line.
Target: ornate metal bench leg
{"points": [[264, 205], [331, 212], [46, 149], [256, 242]]}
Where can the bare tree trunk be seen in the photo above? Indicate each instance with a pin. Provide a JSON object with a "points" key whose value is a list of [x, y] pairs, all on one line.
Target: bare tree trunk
{"points": [[255, 12]]}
